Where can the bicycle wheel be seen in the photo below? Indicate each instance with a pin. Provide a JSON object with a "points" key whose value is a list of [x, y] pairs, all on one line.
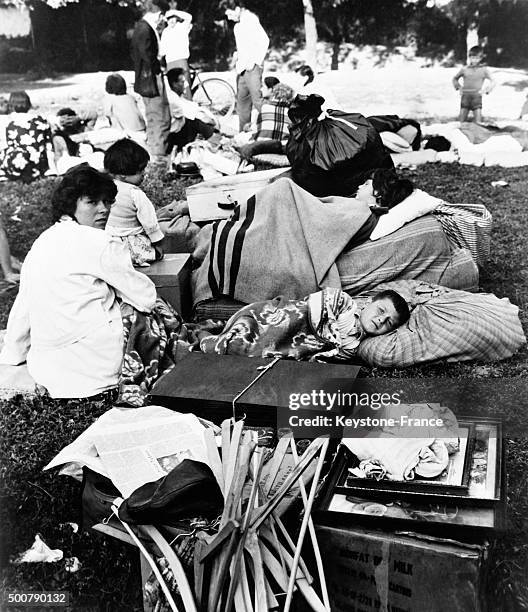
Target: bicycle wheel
{"points": [[215, 94]]}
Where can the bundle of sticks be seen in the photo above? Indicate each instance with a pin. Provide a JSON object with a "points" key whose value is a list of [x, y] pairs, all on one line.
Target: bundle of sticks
{"points": [[253, 564]]}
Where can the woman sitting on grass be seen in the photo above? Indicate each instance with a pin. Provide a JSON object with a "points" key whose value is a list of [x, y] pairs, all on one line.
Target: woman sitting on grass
{"points": [[272, 128], [66, 320], [28, 140], [122, 110]]}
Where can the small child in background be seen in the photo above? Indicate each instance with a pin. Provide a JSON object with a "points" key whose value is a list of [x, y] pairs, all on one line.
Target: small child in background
{"points": [[132, 216], [473, 77], [122, 109]]}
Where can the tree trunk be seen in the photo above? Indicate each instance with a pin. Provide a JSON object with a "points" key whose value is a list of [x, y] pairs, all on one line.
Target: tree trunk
{"points": [[336, 47], [472, 32], [310, 30]]}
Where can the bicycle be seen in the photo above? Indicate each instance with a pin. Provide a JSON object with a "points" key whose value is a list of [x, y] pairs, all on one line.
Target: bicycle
{"points": [[212, 92]]}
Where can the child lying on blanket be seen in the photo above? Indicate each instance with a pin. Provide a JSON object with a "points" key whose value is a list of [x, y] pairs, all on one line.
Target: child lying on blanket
{"points": [[325, 325]]}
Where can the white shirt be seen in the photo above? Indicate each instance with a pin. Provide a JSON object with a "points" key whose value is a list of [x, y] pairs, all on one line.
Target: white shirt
{"points": [[181, 109], [66, 320], [133, 213], [174, 43], [251, 41]]}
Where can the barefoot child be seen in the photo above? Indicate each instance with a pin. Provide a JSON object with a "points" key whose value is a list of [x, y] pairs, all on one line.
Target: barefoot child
{"points": [[473, 77], [132, 217]]}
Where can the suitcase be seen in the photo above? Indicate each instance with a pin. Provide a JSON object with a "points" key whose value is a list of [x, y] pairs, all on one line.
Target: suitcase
{"points": [[206, 385], [216, 198]]}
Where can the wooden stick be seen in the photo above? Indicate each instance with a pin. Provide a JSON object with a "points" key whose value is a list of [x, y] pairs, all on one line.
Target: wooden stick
{"points": [[234, 448], [304, 523], [290, 480], [219, 539], [118, 501], [243, 589], [275, 463], [219, 574], [244, 534], [313, 537], [226, 443], [175, 565], [252, 545]]}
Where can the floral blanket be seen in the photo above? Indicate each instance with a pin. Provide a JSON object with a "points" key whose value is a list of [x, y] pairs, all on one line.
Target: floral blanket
{"points": [[153, 343], [303, 329]]}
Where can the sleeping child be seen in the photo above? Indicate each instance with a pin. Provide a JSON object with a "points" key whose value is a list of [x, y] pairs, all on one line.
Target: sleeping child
{"points": [[132, 216], [327, 325]]}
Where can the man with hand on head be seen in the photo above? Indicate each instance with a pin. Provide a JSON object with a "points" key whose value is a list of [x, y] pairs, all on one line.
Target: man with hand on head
{"points": [[174, 45], [251, 47]]}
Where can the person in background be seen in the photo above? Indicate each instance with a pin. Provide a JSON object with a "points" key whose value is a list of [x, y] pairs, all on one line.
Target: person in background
{"points": [[122, 110], [268, 85], [272, 129], [10, 266], [149, 81], [132, 217], [381, 190], [251, 47], [174, 45], [28, 141], [312, 85], [188, 118], [473, 76]]}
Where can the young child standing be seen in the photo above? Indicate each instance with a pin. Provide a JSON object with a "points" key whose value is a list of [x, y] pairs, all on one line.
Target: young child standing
{"points": [[473, 77], [132, 216]]}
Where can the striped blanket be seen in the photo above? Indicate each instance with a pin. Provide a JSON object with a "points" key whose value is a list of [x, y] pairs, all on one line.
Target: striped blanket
{"points": [[282, 241], [446, 324], [420, 250]]}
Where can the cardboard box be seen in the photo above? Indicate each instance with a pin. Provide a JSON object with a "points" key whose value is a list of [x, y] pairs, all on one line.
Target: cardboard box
{"points": [[172, 276], [376, 570], [216, 198]]}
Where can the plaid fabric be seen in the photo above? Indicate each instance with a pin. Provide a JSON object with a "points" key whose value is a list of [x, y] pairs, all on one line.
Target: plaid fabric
{"points": [[447, 324], [420, 250], [273, 122], [468, 226]]}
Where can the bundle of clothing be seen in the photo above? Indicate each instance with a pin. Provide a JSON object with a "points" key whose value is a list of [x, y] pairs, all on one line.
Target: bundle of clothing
{"points": [[406, 452]]}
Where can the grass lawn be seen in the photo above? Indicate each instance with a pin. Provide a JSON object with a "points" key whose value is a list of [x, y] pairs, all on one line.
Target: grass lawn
{"points": [[26, 510]]}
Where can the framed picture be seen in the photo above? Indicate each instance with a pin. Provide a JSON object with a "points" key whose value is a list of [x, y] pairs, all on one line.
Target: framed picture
{"points": [[454, 479], [481, 508], [430, 516]]}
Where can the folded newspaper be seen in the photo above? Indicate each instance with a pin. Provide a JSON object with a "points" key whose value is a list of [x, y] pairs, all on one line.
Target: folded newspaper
{"points": [[134, 446]]}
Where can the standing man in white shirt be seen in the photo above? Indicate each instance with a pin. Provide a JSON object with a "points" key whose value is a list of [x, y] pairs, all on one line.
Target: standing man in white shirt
{"points": [[174, 45], [251, 46]]}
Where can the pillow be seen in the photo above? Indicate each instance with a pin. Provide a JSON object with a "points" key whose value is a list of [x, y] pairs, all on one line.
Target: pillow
{"points": [[416, 205], [394, 142], [446, 324]]}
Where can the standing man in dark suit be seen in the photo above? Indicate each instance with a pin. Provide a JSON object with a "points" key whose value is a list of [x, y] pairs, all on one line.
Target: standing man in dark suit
{"points": [[149, 82]]}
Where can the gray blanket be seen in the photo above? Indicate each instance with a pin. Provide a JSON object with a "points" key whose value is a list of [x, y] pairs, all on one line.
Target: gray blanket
{"points": [[282, 241]]}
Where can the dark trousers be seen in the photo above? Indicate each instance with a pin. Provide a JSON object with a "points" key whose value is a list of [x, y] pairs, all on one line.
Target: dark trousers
{"points": [[191, 128], [157, 114], [249, 94]]}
